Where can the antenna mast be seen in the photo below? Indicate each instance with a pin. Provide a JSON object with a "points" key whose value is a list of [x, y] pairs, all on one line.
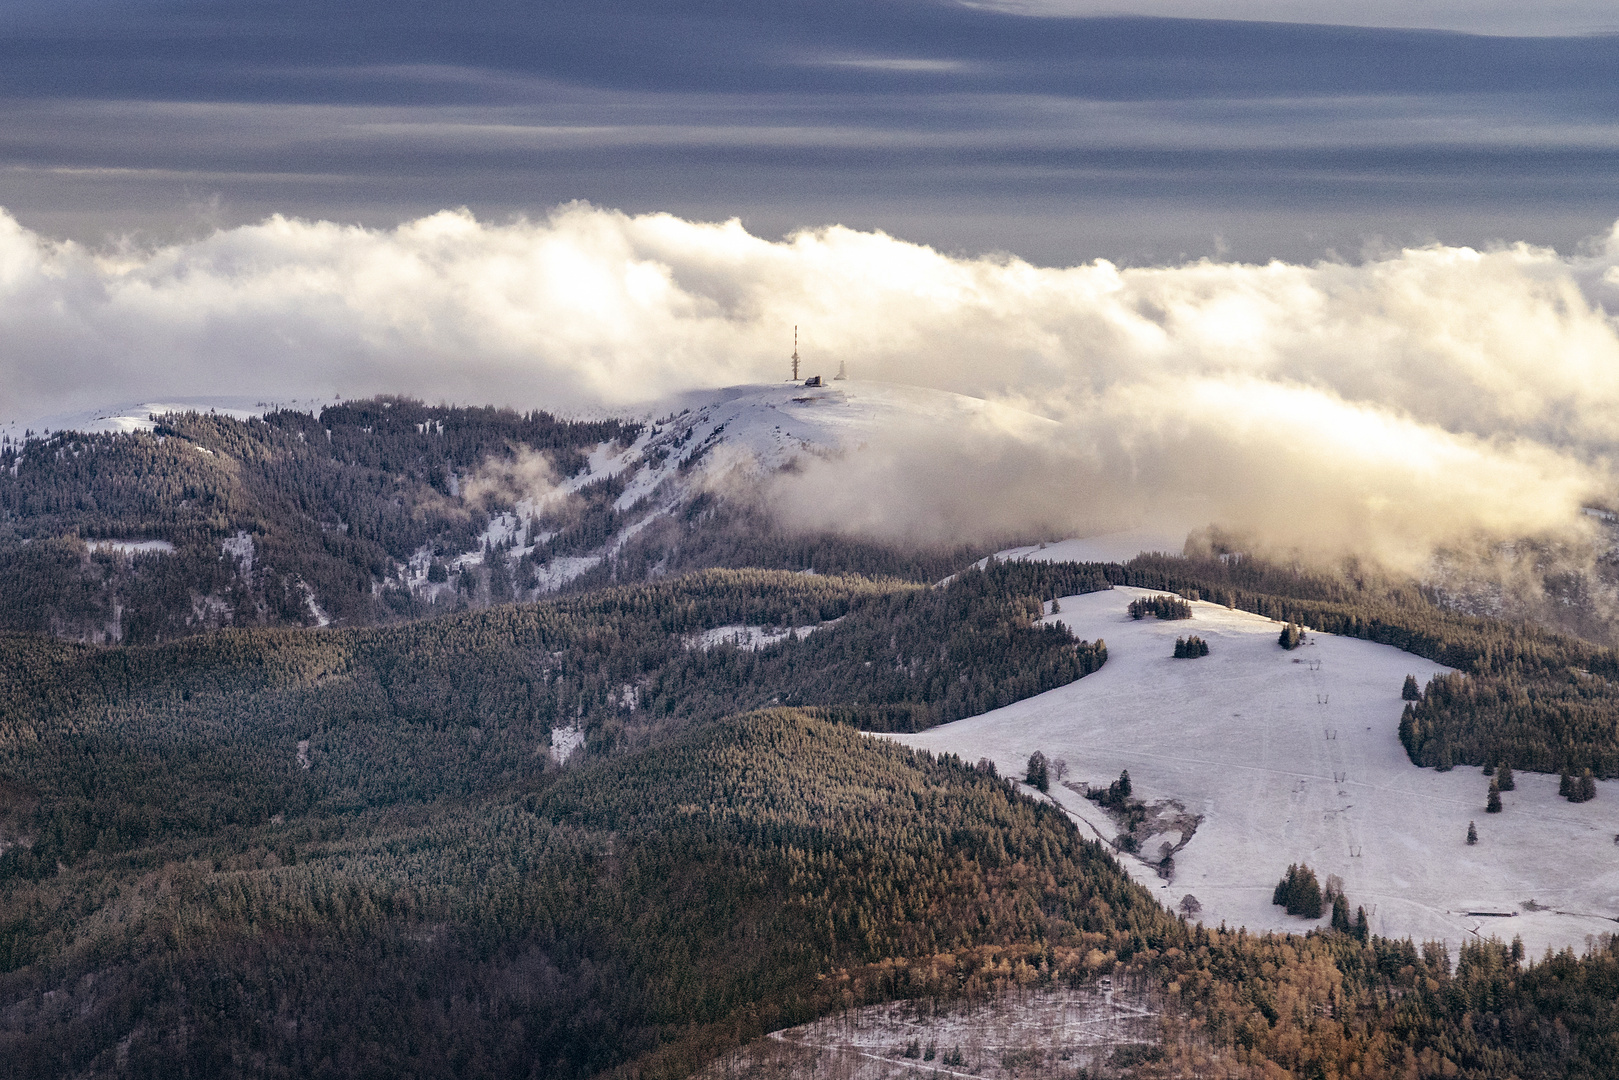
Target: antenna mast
{"points": [[795, 354]]}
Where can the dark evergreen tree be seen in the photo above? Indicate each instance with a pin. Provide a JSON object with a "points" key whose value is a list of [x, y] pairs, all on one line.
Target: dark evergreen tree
{"points": [[1504, 778], [1340, 914], [1299, 892], [1360, 929], [1163, 607], [1291, 637], [1039, 772], [1492, 803], [1472, 832], [1565, 785], [1582, 788], [1190, 648], [1411, 691]]}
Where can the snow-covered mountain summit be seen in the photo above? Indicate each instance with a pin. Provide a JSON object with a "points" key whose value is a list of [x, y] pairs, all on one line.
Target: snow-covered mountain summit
{"points": [[708, 440], [770, 425]]}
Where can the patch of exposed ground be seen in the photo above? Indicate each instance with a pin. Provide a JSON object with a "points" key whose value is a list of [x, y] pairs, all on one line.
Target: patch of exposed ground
{"points": [[1151, 831], [1038, 1034]]}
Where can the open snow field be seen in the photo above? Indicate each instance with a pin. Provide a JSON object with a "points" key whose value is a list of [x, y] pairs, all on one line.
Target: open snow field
{"points": [[1295, 757]]}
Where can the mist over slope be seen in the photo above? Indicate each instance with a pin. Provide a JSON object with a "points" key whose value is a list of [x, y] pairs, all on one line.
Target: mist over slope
{"points": [[1383, 407]]}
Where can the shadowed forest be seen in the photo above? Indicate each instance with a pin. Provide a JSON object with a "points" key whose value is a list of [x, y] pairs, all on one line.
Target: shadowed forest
{"points": [[264, 850]]}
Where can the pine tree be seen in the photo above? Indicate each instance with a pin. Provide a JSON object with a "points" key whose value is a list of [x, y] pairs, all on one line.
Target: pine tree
{"points": [[1039, 774], [1340, 913], [1503, 777], [1411, 691], [1299, 893], [1582, 788], [1565, 785], [1292, 636], [1472, 833], [1360, 929], [1492, 805]]}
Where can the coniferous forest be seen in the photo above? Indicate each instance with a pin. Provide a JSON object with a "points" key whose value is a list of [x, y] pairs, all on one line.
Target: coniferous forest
{"points": [[233, 846]]}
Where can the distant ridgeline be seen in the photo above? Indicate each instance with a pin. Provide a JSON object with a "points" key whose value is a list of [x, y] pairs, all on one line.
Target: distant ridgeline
{"points": [[321, 509], [358, 516]]}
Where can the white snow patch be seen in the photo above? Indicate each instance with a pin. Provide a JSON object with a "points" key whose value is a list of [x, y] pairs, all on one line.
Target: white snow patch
{"points": [[129, 416], [762, 428], [749, 638], [316, 612], [303, 753], [239, 548], [132, 547], [1069, 1027], [1295, 757], [563, 569], [565, 740], [1115, 547]]}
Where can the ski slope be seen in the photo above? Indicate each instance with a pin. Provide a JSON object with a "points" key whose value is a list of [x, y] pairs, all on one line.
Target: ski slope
{"points": [[1295, 757]]}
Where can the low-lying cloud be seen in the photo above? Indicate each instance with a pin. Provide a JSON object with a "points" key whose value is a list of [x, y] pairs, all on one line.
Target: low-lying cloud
{"points": [[1426, 397]]}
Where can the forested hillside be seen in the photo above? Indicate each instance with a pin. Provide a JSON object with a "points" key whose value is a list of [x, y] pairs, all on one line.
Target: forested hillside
{"points": [[279, 521], [643, 911], [133, 746], [372, 512], [264, 850]]}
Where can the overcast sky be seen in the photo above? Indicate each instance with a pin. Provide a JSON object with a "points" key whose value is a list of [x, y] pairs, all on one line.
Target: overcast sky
{"points": [[1042, 128]]}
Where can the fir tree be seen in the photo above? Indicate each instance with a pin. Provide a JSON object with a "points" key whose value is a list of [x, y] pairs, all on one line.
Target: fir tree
{"points": [[1039, 775], [1565, 785], [1360, 929], [1472, 832], [1340, 914], [1299, 893], [1411, 691], [1492, 804], [1504, 778], [1292, 636], [1582, 788]]}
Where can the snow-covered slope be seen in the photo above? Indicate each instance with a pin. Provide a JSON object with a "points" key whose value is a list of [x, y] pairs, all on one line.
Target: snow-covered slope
{"points": [[1116, 547], [137, 415], [751, 431], [765, 427], [1294, 757]]}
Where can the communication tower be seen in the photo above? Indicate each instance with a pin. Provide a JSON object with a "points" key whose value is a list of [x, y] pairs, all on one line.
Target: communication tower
{"points": [[795, 354]]}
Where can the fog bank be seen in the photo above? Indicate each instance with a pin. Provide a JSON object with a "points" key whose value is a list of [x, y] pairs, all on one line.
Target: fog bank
{"points": [[1425, 397]]}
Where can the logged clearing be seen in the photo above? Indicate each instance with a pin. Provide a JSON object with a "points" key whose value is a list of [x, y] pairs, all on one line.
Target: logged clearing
{"points": [[1027, 1034]]}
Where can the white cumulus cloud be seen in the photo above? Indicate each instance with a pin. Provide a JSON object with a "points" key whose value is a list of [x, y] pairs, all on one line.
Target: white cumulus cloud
{"points": [[1381, 407]]}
